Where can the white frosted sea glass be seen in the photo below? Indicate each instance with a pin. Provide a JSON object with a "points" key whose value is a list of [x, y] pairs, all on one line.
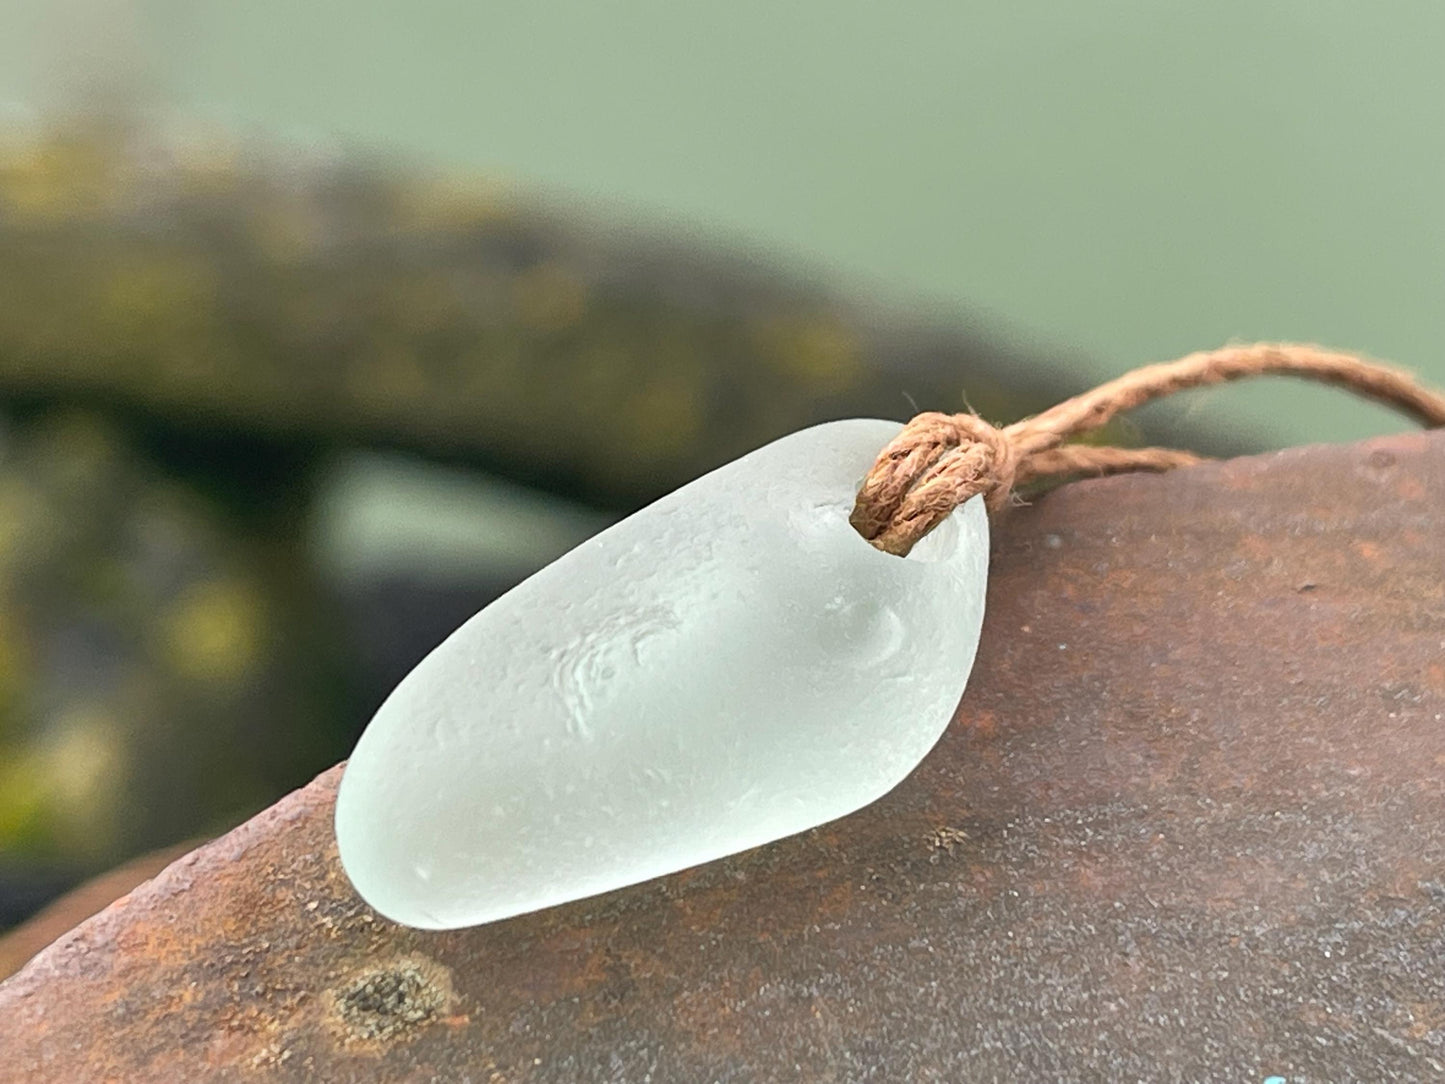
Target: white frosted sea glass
{"points": [[730, 665]]}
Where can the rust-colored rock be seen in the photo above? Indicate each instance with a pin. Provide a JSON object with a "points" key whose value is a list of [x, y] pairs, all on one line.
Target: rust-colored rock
{"points": [[1188, 825], [18, 945]]}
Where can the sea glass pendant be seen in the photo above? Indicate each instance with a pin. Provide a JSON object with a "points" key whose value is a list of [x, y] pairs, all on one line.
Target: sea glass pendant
{"points": [[730, 665]]}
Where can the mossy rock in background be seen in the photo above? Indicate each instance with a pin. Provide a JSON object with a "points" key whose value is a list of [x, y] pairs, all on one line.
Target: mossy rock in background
{"points": [[161, 669], [208, 284]]}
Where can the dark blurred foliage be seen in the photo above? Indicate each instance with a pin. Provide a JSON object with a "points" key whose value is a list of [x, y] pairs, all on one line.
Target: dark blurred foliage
{"points": [[188, 330], [163, 663]]}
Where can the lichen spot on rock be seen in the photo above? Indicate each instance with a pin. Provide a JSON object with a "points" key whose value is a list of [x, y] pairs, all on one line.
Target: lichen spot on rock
{"points": [[391, 1002]]}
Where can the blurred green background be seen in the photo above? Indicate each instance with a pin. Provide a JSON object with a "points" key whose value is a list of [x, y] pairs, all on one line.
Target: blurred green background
{"points": [[285, 289]]}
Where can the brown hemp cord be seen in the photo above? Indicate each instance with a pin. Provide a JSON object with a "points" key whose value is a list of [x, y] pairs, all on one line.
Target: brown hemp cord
{"points": [[941, 460]]}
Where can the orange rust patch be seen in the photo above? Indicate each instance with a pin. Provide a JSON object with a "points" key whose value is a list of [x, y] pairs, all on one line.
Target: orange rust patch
{"points": [[1368, 550]]}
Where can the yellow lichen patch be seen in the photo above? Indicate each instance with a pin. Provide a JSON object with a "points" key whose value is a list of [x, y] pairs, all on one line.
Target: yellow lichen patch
{"points": [[59, 794], [60, 178], [214, 632], [22, 801], [149, 296], [548, 298], [451, 204], [818, 350], [662, 417], [82, 761]]}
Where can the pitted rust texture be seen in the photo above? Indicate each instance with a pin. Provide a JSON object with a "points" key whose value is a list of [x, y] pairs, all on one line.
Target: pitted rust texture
{"points": [[1188, 825], [390, 1000]]}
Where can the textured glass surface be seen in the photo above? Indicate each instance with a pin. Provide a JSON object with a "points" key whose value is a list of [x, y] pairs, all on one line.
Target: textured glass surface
{"points": [[730, 665]]}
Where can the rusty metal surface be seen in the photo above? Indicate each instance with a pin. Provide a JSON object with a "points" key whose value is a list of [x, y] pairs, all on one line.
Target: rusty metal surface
{"points": [[1188, 825], [18, 945]]}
